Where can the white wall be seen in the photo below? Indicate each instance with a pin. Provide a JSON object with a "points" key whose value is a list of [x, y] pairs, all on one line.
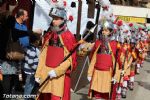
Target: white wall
{"points": [[42, 20], [131, 11]]}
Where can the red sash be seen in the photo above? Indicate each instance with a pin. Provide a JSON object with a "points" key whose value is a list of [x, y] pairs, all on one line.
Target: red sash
{"points": [[54, 57], [103, 62]]}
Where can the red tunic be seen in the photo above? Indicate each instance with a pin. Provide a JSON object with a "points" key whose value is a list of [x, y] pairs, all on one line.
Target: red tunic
{"points": [[104, 66], [69, 42]]}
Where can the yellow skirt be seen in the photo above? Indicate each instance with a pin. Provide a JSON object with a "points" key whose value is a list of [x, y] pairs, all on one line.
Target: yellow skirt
{"points": [[101, 81], [127, 70]]}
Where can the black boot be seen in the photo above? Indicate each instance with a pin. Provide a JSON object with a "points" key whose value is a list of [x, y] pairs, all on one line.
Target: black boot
{"points": [[124, 92], [131, 85]]}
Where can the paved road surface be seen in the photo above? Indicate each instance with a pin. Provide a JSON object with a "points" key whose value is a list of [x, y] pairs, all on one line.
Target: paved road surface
{"points": [[140, 92]]}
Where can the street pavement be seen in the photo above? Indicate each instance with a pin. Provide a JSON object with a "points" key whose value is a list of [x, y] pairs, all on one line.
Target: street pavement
{"points": [[141, 90]]}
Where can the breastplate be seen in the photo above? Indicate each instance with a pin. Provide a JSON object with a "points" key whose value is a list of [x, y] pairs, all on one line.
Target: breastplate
{"points": [[103, 50], [55, 42]]}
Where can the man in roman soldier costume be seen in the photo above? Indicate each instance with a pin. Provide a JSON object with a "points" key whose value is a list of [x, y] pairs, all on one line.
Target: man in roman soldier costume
{"points": [[57, 44], [144, 44], [132, 56], [122, 60], [132, 62], [140, 49], [102, 63]]}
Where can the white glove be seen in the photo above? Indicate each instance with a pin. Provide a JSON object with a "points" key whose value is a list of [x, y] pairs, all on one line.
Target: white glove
{"points": [[138, 66], [52, 74], [140, 50], [114, 81], [37, 80], [20, 77], [122, 72], [89, 78]]}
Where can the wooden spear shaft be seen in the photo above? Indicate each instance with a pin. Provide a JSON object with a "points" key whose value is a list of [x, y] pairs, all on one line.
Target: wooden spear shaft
{"points": [[79, 20]]}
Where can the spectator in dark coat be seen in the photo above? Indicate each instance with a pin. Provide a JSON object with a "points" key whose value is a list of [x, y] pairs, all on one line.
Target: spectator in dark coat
{"points": [[17, 28]]}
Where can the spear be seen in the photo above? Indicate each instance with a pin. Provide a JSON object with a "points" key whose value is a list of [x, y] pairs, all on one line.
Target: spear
{"points": [[35, 91], [113, 74], [122, 74], [130, 59]]}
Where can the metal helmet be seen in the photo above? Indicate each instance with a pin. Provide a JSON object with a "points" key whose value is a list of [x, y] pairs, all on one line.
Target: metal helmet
{"points": [[108, 24], [58, 12], [121, 39], [133, 40]]}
